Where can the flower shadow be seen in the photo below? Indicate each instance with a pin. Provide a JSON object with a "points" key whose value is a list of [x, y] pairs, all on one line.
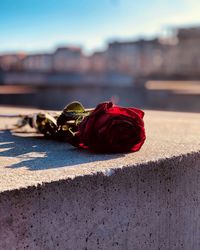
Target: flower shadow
{"points": [[36, 153]]}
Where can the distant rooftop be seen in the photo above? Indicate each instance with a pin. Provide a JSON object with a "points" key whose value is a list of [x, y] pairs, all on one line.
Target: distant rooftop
{"points": [[69, 48], [185, 33], [140, 42]]}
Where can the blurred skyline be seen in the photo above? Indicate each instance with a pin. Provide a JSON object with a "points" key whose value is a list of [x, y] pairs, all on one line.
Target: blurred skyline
{"points": [[36, 25]]}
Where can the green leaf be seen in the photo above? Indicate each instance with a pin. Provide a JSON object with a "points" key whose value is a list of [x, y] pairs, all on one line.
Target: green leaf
{"points": [[74, 107]]}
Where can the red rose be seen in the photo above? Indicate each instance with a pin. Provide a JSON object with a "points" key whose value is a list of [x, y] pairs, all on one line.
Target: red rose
{"points": [[111, 128]]}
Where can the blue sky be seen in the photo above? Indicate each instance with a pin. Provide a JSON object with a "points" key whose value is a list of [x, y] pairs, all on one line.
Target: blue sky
{"points": [[37, 25]]}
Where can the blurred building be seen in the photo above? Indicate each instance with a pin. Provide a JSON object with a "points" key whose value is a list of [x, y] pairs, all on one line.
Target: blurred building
{"points": [[146, 58], [140, 57], [99, 62], [38, 62], [183, 59], [11, 61], [67, 59], [64, 59]]}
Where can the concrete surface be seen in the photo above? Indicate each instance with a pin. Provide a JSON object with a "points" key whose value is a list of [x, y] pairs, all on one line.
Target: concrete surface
{"points": [[53, 196]]}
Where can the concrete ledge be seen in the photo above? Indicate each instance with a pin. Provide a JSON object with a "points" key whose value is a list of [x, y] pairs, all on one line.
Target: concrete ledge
{"points": [[56, 197]]}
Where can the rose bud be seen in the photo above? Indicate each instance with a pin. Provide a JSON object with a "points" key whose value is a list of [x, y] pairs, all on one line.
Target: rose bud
{"points": [[110, 128]]}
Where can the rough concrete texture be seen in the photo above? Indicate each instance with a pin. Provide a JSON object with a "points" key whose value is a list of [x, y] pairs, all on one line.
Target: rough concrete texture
{"points": [[56, 197]]}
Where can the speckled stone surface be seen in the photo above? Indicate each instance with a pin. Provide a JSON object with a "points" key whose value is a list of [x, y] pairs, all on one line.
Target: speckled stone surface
{"points": [[53, 196], [32, 160]]}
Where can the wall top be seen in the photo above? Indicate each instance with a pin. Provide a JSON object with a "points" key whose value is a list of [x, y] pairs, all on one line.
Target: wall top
{"points": [[27, 160]]}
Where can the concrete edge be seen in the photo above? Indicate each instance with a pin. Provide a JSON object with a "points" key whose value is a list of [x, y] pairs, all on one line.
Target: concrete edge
{"points": [[111, 172]]}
